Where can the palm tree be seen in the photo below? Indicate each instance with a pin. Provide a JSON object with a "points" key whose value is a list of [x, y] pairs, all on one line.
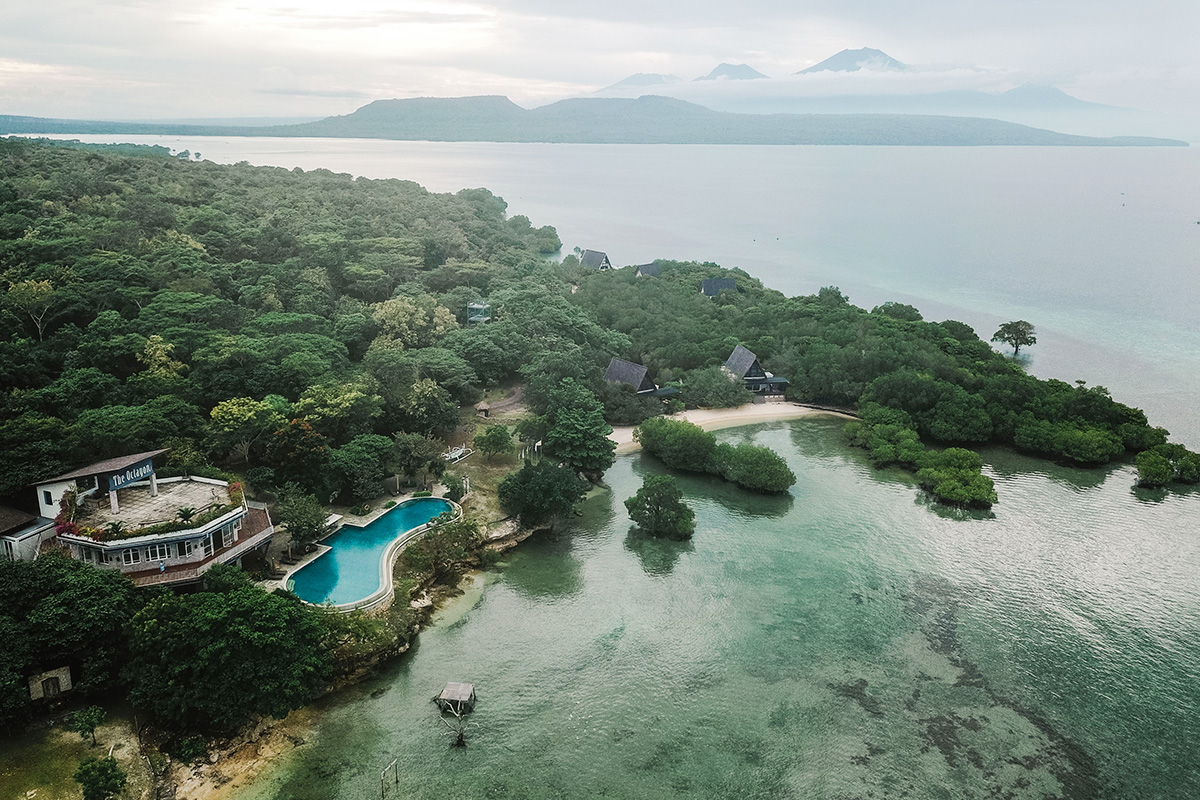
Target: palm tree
{"points": [[186, 513]]}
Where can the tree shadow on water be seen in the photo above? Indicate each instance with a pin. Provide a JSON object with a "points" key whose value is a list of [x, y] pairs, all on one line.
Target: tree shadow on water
{"points": [[658, 555], [544, 567], [947, 511], [738, 501]]}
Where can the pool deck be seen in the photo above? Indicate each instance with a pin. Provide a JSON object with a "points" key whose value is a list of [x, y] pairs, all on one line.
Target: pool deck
{"points": [[279, 547], [382, 598]]}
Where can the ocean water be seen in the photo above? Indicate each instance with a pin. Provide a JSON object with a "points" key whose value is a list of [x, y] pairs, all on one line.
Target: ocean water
{"points": [[846, 640], [1098, 247]]}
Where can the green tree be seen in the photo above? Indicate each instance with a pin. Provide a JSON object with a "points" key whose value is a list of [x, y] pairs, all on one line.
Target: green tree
{"points": [[412, 321], [953, 476], [677, 443], [540, 492], [419, 456], [302, 513], [185, 648], [428, 409], [364, 462], [713, 387], [301, 455], [339, 411], [34, 299], [100, 778], [579, 438], [238, 423], [442, 551], [658, 508], [1153, 470], [495, 440], [85, 721], [759, 469], [1018, 334]]}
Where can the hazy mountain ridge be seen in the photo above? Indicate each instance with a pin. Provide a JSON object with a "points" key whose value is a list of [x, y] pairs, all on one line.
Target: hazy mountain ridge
{"points": [[732, 72], [855, 60], [649, 119]]}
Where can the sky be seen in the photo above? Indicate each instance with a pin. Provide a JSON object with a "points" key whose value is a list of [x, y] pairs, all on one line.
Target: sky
{"points": [[164, 59]]}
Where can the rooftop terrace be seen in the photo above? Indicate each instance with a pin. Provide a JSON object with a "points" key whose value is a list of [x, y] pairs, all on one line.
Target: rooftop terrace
{"points": [[138, 509]]}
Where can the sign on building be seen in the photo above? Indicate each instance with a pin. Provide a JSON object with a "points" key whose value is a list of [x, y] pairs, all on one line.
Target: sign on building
{"points": [[131, 474]]}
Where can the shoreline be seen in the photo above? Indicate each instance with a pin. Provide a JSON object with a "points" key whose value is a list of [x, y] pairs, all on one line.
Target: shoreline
{"points": [[711, 419], [249, 756]]}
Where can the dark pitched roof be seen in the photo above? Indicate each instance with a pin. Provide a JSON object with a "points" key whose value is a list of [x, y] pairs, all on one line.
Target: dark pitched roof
{"points": [[594, 259], [622, 371], [106, 466], [714, 286], [740, 361], [653, 269], [11, 519]]}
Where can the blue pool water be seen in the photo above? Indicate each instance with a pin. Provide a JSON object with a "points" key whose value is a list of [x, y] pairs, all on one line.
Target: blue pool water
{"points": [[350, 571]]}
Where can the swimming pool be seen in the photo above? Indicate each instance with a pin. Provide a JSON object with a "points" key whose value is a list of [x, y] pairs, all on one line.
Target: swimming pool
{"points": [[352, 569]]}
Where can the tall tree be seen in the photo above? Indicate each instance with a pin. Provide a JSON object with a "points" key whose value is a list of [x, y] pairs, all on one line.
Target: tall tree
{"points": [[540, 492], [494, 441], [34, 299], [579, 438], [658, 508], [1018, 334], [85, 721]]}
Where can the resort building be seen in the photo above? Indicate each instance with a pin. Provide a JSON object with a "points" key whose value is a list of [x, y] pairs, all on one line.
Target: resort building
{"points": [[595, 259], [714, 286], [635, 375], [651, 270], [22, 534], [118, 514], [743, 365]]}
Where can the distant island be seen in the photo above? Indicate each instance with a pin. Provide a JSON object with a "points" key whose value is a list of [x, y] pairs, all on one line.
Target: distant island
{"points": [[644, 120]]}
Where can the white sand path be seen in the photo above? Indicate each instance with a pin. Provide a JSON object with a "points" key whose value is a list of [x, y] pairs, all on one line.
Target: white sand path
{"points": [[714, 418]]}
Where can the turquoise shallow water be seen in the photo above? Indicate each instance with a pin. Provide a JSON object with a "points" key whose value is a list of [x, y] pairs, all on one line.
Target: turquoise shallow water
{"points": [[350, 571], [845, 641]]}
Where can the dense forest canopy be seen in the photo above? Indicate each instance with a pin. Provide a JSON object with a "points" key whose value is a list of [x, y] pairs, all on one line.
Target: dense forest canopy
{"points": [[290, 323]]}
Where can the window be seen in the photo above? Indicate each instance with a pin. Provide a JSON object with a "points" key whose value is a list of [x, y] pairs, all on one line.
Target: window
{"points": [[129, 557], [227, 535], [9, 550], [188, 547], [159, 552], [208, 545], [47, 498]]}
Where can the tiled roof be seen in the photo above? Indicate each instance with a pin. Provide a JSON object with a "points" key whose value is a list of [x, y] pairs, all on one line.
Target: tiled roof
{"points": [[740, 361]]}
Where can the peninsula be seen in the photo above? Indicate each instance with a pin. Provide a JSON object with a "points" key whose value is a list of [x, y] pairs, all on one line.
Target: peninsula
{"points": [[645, 120]]}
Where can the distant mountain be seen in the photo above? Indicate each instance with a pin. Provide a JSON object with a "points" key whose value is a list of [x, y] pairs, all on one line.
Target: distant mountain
{"points": [[641, 80], [854, 60], [645, 120], [732, 72]]}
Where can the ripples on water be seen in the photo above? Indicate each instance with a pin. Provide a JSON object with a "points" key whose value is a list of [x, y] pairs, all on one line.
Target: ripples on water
{"points": [[846, 642]]}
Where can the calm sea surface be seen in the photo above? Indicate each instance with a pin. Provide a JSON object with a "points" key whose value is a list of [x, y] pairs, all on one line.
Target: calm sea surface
{"points": [[848, 640], [1098, 247], [844, 641]]}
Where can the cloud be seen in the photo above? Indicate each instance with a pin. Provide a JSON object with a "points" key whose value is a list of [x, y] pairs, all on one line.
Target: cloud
{"points": [[169, 57], [299, 92]]}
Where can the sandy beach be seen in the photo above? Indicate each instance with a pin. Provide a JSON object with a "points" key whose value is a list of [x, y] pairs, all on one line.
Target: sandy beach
{"points": [[714, 418]]}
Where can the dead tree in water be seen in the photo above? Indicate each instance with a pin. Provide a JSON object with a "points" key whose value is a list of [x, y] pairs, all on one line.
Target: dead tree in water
{"points": [[458, 730]]}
